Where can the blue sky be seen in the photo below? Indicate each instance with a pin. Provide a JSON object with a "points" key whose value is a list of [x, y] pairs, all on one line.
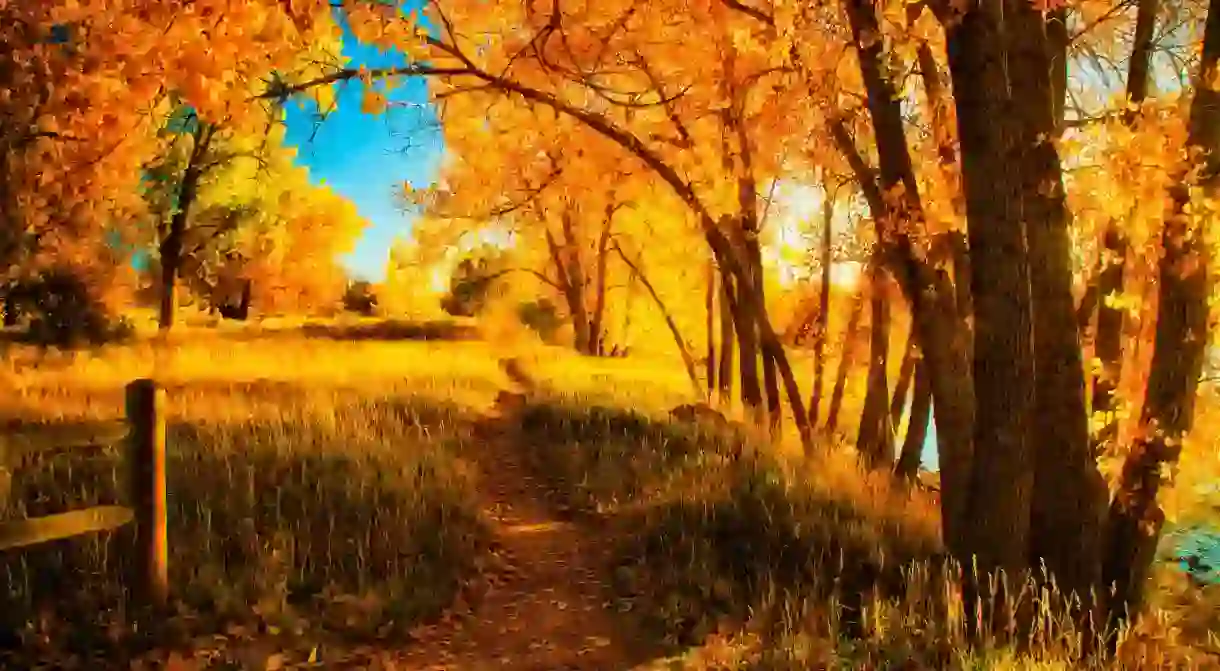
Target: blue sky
{"points": [[367, 158]]}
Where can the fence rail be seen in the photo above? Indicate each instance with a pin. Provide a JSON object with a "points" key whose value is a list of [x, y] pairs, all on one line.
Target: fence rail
{"points": [[143, 433]]}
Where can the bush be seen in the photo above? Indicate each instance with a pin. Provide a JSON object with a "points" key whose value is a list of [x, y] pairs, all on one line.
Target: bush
{"points": [[542, 316], [360, 298], [64, 313]]}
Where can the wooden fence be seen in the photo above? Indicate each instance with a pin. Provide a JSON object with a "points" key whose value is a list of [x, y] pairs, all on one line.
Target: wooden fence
{"points": [[143, 434]]}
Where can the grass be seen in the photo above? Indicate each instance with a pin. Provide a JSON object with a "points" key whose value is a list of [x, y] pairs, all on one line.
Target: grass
{"points": [[779, 563], [323, 487], [314, 487]]}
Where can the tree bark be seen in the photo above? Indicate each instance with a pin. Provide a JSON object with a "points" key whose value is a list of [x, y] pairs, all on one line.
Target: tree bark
{"points": [[173, 242], [571, 285], [906, 372], [943, 336], [822, 320], [917, 426], [845, 361], [745, 324], [728, 341], [597, 327], [747, 304], [1069, 495], [710, 307], [1180, 345], [874, 439], [1002, 474]]}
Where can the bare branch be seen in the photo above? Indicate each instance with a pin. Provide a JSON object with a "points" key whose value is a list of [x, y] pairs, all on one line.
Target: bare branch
{"points": [[752, 12]]}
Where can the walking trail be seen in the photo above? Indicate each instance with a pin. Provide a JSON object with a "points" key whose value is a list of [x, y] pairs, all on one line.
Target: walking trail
{"points": [[545, 607]]}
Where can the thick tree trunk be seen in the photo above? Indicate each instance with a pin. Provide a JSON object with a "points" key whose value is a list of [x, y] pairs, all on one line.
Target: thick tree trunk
{"points": [[1002, 473], [745, 323], [822, 319], [917, 426], [1069, 495], [1136, 518], [874, 439], [848, 349], [943, 336]]}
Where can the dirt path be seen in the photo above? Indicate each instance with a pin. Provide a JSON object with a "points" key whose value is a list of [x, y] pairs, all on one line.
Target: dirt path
{"points": [[545, 607]]}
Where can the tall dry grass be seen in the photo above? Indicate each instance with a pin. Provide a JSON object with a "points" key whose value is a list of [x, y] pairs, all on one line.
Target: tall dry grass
{"points": [[326, 485], [314, 486]]}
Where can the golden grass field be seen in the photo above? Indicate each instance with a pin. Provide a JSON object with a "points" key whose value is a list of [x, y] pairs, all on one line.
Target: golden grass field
{"points": [[325, 489]]}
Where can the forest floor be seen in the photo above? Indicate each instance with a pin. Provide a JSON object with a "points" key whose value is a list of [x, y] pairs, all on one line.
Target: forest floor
{"points": [[365, 504]]}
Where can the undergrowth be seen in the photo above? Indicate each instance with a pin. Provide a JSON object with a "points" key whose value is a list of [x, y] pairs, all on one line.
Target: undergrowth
{"points": [[321, 489], [296, 510], [767, 562]]}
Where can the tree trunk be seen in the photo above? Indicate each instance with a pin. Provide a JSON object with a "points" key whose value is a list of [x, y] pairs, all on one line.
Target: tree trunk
{"points": [[1002, 473], [728, 340], [745, 324], [710, 306], [172, 244], [845, 360], [1069, 495], [943, 336], [243, 306], [917, 426], [906, 371], [941, 113], [1177, 360], [171, 259], [571, 287], [687, 359], [11, 311], [770, 364], [822, 320], [748, 304], [874, 439], [597, 322]]}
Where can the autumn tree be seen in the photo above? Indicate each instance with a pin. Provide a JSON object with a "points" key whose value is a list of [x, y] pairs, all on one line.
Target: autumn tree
{"points": [[88, 86], [414, 282], [780, 87], [572, 213]]}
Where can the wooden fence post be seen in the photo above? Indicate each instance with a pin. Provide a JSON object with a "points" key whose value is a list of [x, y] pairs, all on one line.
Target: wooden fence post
{"points": [[145, 414]]}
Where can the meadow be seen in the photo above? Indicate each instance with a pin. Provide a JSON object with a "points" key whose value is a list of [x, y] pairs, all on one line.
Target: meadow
{"points": [[335, 500]]}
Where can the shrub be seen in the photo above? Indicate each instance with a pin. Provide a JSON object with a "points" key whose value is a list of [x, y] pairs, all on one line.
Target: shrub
{"points": [[360, 298], [64, 313]]}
